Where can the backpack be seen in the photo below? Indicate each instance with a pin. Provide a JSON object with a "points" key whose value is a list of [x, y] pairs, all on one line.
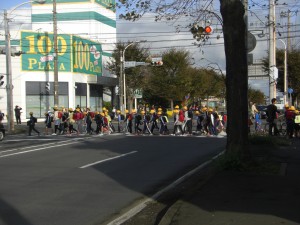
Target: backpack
{"points": [[181, 116], [190, 114], [289, 115]]}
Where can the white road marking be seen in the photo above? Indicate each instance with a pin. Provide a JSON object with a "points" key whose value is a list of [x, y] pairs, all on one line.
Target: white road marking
{"points": [[33, 150], [16, 140], [108, 159], [135, 210]]}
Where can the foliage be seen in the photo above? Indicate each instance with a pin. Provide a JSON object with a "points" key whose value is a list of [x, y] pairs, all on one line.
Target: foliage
{"points": [[256, 96], [168, 80]]}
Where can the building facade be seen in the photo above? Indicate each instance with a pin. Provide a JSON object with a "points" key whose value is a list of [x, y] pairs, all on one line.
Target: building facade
{"points": [[86, 37]]}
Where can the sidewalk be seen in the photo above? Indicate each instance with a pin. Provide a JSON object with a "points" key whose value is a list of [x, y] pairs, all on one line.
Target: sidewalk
{"points": [[241, 198]]}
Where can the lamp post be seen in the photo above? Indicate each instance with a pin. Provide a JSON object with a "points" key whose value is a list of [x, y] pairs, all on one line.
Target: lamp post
{"points": [[123, 68], [285, 81], [9, 85]]}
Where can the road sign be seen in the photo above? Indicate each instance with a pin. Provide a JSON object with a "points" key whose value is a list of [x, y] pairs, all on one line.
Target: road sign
{"points": [[290, 90], [134, 64], [251, 42], [130, 64], [138, 93]]}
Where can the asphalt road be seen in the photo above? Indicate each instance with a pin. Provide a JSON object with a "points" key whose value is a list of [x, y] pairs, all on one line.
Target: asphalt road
{"points": [[87, 180]]}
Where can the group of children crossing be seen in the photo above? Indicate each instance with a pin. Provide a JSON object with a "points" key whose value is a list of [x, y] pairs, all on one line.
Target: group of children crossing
{"points": [[142, 122]]}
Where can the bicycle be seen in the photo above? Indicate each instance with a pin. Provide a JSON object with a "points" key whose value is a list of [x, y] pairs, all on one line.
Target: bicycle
{"points": [[281, 126]]}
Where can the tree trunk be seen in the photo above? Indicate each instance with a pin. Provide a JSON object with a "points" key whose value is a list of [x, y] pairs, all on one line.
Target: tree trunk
{"points": [[234, 29], [172, 103]]}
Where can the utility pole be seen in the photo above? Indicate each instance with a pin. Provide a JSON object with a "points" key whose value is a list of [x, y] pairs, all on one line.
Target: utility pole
{"points": [[121, 83], [9, 86], [55, 54], [272, 53], [289, 31]]}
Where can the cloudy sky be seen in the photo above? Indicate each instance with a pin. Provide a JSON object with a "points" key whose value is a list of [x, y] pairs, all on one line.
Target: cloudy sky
{"points": [[162, 36]]}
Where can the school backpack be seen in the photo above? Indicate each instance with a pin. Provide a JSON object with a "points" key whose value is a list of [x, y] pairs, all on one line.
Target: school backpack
{"points": [[181, 116], [289, 115], [190, 114]]}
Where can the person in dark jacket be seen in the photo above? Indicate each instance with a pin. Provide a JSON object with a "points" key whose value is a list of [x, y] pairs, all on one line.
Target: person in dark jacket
{"points": [[31, 124], [272, 117], [18, 114]]}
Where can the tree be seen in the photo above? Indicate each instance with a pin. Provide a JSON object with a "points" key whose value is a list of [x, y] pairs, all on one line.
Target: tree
{"points": [[169, 80], [256, 96], [234, 29]]}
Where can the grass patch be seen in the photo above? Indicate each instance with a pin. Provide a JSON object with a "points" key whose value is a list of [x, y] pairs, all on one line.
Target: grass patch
{"points": [[270, 141]]}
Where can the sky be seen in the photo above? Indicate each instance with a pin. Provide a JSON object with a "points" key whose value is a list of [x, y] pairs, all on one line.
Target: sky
{"points": [[162, 36]]}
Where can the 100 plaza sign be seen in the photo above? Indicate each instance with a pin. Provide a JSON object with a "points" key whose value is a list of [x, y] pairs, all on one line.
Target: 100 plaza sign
{"points": [[74, 54]]}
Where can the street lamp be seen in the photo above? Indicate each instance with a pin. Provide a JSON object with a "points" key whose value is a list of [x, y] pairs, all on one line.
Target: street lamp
{"points": [[9, 86], [123, 70], [285, 81]]}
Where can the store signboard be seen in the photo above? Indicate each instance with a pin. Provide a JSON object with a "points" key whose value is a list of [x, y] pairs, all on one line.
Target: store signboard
{"points": [[38, 51], [87, 56], [75, 54]]}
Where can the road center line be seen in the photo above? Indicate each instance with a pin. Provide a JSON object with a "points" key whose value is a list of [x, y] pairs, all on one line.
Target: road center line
{"points": [[105, 160]]}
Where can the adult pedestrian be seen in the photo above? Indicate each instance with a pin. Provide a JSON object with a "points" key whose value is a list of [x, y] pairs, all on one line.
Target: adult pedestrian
{"points": [[253, 110], [18, 114], [272, 114], [31, 124], [1, 116]]}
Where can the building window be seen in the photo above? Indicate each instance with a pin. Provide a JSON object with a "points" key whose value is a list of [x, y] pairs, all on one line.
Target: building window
{"points": [[39, 99]]}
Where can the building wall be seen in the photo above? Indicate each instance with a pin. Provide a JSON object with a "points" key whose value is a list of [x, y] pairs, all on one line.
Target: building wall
{"points": [[85, 19]]}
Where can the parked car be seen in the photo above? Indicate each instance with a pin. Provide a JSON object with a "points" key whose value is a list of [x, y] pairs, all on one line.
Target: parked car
{"points": [[262, 109]]}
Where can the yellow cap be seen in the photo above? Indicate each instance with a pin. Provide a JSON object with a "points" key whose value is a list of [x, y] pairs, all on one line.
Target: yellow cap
{"points": [[185, 108], [292, 108], [177, 107], [142, 112], [159, 109]]}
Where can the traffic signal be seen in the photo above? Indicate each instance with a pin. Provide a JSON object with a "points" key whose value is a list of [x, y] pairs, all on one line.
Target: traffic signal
{"points": [[157, 63], [197, 30], [48, 87], [1, 80]]}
